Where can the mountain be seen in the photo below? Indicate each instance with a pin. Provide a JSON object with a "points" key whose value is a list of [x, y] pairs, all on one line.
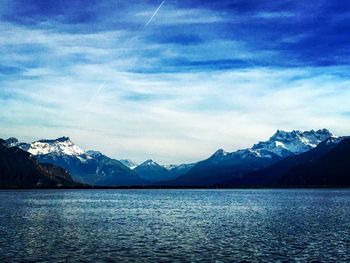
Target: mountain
{"points": [[286, 144], [330, 170], [18, 169], [152, 171], [178, 170], [62, 146], [10, 142], [112, 172], [85, 167], [13, 142], [269, 176], [129, 163], [223, 166], [285, 159], [155, 173]]}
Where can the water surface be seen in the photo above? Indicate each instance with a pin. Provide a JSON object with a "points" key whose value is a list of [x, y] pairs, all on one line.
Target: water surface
{"points": [[175, 225]]}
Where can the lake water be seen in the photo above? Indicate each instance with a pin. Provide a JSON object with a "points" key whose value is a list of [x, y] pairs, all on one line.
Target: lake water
{"points": [[175, 225]]}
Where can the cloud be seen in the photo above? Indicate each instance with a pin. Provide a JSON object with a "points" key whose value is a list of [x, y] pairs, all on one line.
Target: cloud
{"points": [[178, 118], [201, 76]]}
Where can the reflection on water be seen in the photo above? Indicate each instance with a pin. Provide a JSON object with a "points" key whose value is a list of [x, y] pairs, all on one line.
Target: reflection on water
{"points": [[175, 225]]}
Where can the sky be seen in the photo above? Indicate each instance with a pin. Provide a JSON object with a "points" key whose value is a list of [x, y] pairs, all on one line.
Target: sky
{"points": [[172, 80]]}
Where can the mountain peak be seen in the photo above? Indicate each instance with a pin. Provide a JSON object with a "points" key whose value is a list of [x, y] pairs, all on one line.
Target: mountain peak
{"points": [[11, 142], [63, 139], [12, 139], [128, 163], [284, 135], [321, 133], [325, 132], [219, 154], [149, 162], [284, 143], [93, 153], [60, 139], [61, 146]]}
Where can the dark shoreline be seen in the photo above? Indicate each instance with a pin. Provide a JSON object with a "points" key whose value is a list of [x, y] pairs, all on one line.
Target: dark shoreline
{"points": [[171, 188]]}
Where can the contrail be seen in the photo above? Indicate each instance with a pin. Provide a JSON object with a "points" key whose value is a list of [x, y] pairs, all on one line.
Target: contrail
{"points": [[96, 94], [149, 21], [102, 86]]}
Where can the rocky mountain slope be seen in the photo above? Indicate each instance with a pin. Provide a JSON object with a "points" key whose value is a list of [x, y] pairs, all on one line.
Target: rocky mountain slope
{"points": [[18, 169]]}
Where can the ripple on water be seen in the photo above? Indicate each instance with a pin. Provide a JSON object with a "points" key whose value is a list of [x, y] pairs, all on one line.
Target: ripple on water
{"points": [[175, 225]]}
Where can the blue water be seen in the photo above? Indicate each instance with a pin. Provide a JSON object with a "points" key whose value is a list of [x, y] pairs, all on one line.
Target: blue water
{"points": [[175, 225]]}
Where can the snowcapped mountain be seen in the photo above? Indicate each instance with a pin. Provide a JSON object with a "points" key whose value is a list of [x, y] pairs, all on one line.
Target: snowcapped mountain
{"points": [[61, 151], [60, 146], [18, 169], [222, 165], [129, 163], [149, 162], [281, 144], [89, 167], [152, 171], [324, 165], [92, 167], [289, 143]]}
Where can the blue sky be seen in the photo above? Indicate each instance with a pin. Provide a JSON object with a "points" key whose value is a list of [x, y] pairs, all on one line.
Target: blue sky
{"points": [[198, 76]]}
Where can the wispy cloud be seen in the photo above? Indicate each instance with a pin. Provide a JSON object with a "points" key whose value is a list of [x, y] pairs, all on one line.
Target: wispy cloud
{"points": [[199, 77], [193, 113]]}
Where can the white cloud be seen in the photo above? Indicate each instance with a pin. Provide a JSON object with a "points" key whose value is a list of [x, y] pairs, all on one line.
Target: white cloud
{"points": [[81, 86], [195, 114]]}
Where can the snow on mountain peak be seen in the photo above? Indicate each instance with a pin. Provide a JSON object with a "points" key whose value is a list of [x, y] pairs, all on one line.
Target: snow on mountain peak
{"points": [[60, 146], [128, 163], [281, 144], [284, 143], [149, 162]]}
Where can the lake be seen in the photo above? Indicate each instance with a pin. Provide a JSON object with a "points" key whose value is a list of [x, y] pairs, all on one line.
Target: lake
{"points": [[175, 225]]}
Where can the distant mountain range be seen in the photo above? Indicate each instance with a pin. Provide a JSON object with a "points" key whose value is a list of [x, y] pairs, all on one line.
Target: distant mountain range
{"points": [[89, 167], [285, 172], [93, 167], [223, 166], [156, 173], [287, 159]]}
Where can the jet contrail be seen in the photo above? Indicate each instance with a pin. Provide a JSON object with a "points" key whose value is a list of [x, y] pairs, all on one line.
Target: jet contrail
{"points": [[92, 99], [149, 21], [102, 86]]}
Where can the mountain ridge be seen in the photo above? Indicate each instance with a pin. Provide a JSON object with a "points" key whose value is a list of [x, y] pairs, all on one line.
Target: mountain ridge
{"points": [[282, 149], [90, 167], [223, 165]]}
